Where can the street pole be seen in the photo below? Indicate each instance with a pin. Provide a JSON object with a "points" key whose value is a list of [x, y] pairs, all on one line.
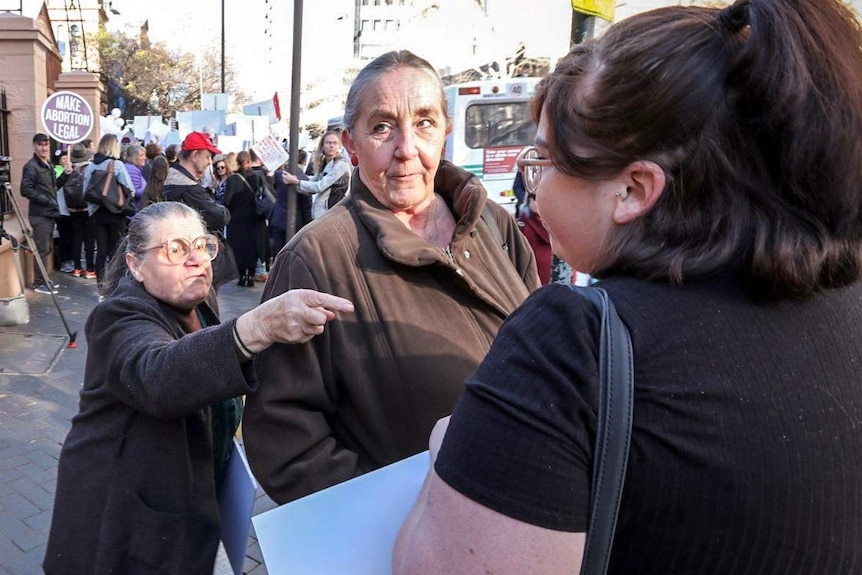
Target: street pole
{"points": [[296, 76], [222, 47]]}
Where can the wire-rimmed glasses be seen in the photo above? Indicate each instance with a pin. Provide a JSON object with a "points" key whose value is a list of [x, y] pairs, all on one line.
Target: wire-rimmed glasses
{"points": [[531, 164], [178, 250]]}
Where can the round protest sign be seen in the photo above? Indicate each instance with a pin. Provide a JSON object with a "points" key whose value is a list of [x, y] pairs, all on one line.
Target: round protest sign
{"points": [[67, 117]]}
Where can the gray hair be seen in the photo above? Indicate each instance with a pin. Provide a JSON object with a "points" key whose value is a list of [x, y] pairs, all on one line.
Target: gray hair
{"points": [[140, 237], [383, 64], [131, 153]]}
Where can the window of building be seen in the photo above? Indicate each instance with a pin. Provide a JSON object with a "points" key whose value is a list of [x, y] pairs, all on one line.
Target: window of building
{"points": [[378, 25]]}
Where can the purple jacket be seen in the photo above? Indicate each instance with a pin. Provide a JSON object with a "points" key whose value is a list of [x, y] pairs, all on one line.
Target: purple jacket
{"points": [[137, 180]]}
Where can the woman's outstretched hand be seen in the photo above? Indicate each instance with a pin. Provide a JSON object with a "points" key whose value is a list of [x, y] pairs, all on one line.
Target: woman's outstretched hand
{"points": [[295, 316]]}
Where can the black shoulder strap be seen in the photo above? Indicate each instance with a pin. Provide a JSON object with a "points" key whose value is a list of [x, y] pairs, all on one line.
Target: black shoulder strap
{"points": [[613, 436], [244, 181]]}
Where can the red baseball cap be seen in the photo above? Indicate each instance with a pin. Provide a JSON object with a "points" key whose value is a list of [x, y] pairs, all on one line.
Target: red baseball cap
{"points": [[199, 141]]}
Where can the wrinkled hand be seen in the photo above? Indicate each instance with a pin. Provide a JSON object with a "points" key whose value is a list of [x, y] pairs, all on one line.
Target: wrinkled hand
{"points": [[295, 316], [289, 178]]}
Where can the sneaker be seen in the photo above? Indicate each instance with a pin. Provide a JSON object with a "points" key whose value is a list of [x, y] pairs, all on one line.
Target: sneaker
{"points": [[77, 273], [67, 267], [45, 289], [259, 278], [89, 275]]}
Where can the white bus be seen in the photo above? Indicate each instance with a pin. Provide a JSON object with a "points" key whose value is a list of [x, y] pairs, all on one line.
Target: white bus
{"points": [[491, 124]]}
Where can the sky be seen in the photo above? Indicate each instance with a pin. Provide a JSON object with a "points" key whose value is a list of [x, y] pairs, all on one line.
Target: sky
{"points": [[258, 46], [258, 33]]}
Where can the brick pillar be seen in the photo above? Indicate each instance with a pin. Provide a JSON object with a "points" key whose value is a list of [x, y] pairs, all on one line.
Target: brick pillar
{"points": [[28, 60], [88, 86]]}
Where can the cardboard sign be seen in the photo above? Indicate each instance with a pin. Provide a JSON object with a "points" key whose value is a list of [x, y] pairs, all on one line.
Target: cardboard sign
{"points": [[348, 528], [270, 153], [67, 117]]}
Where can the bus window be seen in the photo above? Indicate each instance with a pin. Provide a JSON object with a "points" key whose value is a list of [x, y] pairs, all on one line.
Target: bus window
{"points": [[499, 124]]}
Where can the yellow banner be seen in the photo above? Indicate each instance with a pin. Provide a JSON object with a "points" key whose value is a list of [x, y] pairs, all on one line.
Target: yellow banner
{"points": [[601, 8]]}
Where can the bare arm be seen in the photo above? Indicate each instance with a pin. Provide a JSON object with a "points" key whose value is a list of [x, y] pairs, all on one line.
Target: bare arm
{"points": [[447, 533]]}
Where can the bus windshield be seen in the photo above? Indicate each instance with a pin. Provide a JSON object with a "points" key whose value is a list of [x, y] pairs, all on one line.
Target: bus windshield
{"points": [[499, 124]]}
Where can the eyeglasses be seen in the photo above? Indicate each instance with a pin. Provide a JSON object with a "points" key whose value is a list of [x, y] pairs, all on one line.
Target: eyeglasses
{"points": [[531, 166], [220, 167], [178, 251]]}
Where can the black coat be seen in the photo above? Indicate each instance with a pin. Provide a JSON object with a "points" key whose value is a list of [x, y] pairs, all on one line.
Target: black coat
{"points": [[135, 487], [39, 185], [246, 227], [181, 186]]}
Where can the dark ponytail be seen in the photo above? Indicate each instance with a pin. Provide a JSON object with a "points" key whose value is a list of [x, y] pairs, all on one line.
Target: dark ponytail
{"points": [[754, 113]]}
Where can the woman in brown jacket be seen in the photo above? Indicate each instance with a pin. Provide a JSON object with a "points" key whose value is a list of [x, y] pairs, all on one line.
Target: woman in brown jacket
{"points": [[433, 268]]}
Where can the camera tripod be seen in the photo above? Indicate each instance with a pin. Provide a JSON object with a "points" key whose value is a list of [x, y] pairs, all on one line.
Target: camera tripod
{"points": [[30, 246]]}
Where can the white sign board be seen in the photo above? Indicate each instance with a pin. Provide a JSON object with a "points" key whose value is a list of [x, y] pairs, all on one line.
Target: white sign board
{"points": [[67, 117], [148, 124], [208, 121], [262, 108], [215, 102], [250, 128], [270, 153], [348, 528]]}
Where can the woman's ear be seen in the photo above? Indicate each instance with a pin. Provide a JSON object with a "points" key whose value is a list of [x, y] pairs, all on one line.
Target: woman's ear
{"points": [[347, 141], [134, 267], [644, 184]]}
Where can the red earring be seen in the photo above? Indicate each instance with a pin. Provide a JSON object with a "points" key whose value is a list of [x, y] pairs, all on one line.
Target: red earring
{"points": [[354, 160]]}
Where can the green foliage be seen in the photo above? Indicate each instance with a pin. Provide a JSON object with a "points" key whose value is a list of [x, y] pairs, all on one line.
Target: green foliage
{"points": [[133, 70]]}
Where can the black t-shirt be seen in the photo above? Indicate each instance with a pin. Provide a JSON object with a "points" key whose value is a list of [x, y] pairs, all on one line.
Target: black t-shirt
{"points": [[746, 451]]}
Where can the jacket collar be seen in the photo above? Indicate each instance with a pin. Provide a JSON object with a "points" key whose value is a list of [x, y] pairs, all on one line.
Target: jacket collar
{"points": [[464, 195], [179, 176]]}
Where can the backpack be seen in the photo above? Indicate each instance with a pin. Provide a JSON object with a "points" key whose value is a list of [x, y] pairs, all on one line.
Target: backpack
{"points": [[338, 190], [73, 191]]}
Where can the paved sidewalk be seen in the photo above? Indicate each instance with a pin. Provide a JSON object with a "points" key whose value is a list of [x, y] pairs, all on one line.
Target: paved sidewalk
{"points": [[40, 378]]}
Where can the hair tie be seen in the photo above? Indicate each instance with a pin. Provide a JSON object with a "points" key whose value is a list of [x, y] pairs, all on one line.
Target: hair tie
{"points": [[735, 17]]}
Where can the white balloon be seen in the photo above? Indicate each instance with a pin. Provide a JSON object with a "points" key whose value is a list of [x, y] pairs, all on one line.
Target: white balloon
{"points": [[116, 112], [119, 122]]}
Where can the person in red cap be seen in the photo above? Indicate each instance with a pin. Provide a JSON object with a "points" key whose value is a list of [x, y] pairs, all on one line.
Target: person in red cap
{"points": [[183, 183]]}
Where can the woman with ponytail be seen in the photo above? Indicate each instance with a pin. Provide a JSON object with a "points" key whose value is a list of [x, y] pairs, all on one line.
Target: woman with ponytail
{"points": [[705, 164]]}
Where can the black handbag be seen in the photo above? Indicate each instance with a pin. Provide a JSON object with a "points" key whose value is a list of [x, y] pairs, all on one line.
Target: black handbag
{"points": [[105, 191], [224, 266], [264, 202], [613, 436]]}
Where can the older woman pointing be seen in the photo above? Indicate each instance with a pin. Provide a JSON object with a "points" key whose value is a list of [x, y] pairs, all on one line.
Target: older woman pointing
{"points": [[433, 267], [136, 488]]}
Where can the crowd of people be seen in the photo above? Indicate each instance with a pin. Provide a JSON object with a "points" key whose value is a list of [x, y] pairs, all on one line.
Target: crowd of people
{"points": [[710, 191], [222, 187]]}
